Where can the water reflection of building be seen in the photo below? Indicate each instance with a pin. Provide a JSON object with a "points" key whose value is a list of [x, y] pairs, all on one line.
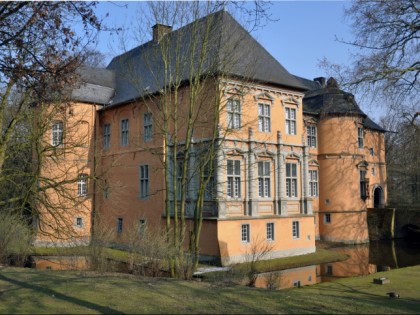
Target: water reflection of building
{"points": [[358, 264], [60, 263], [289, 278]]}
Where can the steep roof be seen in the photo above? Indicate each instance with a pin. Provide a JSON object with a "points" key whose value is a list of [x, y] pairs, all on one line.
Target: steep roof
{"points": [[330, 99], [230, 49], [96, 85]]}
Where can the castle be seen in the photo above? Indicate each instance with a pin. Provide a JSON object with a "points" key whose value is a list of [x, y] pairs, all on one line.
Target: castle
{"points": [[296, 160]]}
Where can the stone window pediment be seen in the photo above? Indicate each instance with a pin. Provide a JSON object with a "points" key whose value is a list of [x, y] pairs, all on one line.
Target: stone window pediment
{"points": [[264, 96], [290, 100]]}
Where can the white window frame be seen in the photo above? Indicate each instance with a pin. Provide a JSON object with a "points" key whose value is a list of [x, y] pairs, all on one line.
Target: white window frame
{"points": [[360, 135], [245, 233], [372, 171], [147, 127], [291, 180], [57, 131], [313, 183], [234, 114], [142, 226], [124, 132], [264, 120], [233, 178], [144, 181], [290, 121], [264, 179], [107, 136], [311, 136], [295, 230], [82, 185], [270, 231]]}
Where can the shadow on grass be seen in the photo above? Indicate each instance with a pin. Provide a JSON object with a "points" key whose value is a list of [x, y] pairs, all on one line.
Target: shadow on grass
{"points": [[57, 295]]}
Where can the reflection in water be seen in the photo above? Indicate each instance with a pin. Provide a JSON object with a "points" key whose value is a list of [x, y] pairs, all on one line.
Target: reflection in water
{"points": [[60, 263], [289, 278], [363, 260]]}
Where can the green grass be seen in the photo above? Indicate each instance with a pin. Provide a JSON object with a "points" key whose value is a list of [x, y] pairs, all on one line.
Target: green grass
{"points": [[52, 292]]}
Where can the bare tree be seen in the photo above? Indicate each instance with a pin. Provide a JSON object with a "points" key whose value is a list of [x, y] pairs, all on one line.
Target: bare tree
{"points": [[39, 53], [183, 92], [386, 62]]}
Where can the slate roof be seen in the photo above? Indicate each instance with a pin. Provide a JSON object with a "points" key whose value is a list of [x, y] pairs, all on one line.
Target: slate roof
{"points": [[330, 99], [231, 50], [96, 85]]}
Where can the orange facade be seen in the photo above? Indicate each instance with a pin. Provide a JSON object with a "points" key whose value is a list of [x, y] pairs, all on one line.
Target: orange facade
{"points": [[296, 160], [287, 208]]}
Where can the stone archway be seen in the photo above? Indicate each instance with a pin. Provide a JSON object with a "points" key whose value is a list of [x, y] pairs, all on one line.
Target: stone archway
{"points": [[378, 197]]}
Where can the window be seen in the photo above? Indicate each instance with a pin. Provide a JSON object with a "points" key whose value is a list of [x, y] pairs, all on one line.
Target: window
{"points": [[313, 183], [327, 218], [296, 284], [311, 134], [119, 225], [234, 178], [79, 222], [209, 191], [144, 181], [264, 118], [82, 185], [57, 133], [360, 137], [179, 171], [234, 114], [264, 179], [295, 229], [124, 132], [371, 151], [270, 231], [290, 121], [107, 136], [106, 189], [363, 194], [291, 180], [142, 226], [148, 127], [372, 171], [245, 233], [329, 270]]}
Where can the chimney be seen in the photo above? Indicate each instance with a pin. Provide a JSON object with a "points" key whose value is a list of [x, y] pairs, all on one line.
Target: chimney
{"points": [[160, 30], [321, 81]]}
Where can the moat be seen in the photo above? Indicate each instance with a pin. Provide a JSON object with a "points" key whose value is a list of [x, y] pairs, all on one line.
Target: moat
{"points": [[363, 260]]}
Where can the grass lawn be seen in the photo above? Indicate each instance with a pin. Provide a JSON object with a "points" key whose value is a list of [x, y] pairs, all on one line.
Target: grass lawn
{"points": [[49, 291]]}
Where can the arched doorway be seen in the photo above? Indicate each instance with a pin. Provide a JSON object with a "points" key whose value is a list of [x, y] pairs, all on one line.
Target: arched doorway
{"points": [[378, 197]]}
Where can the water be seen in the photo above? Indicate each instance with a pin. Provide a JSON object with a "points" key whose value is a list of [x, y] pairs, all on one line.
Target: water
{"points": [[363, 260]]}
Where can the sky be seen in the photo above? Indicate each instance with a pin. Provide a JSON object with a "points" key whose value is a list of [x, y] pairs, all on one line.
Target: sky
{"points": [[303, 33]]}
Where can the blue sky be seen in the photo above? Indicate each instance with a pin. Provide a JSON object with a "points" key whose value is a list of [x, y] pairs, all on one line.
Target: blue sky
{"points": [[305, 32]]}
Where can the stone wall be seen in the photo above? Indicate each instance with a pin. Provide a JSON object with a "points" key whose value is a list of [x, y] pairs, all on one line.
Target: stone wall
{"points": [[391, 223]]}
